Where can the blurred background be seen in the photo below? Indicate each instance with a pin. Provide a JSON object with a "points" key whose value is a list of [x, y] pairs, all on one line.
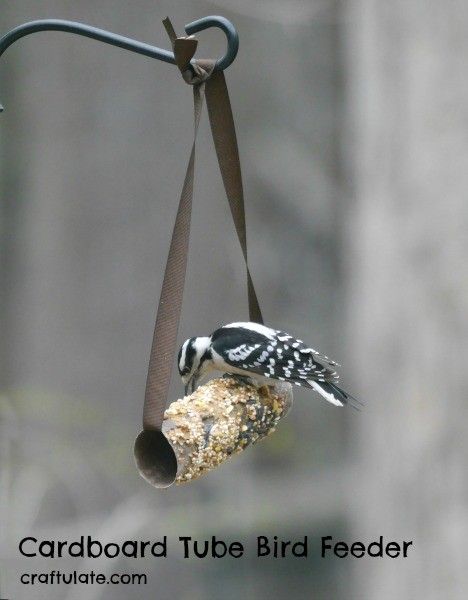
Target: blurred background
{"points": [[352, 122]]}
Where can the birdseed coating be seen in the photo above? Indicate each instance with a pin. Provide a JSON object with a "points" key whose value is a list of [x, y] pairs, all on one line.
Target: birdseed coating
{"points": [[220, 419]]}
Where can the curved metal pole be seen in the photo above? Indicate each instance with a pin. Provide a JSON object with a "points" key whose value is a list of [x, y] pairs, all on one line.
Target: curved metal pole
{"points": [[87, 31], [120, 41]]}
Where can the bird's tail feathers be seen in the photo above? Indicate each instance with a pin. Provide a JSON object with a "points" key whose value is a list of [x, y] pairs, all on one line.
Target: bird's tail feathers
{"points": [[332, 393]]}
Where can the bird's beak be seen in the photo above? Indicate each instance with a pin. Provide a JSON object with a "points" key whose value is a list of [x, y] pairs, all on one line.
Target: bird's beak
{"points": [[191, 385]]}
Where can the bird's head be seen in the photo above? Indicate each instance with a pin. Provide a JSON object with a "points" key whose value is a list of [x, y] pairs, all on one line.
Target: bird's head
{"points": [[193, 361]]}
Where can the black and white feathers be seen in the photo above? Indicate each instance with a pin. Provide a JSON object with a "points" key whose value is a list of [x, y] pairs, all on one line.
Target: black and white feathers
{"points": [[263, 354]]}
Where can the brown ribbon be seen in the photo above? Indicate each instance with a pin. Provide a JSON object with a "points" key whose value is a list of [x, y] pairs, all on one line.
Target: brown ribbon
{"points": [[212, 84]]}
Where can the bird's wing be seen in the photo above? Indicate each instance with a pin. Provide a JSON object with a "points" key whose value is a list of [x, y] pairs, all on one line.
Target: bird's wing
{"points": [[299, 345], [279, 356]]}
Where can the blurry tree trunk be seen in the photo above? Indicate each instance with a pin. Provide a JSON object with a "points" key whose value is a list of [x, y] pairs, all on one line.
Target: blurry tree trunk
{"points": [[408, 253]]}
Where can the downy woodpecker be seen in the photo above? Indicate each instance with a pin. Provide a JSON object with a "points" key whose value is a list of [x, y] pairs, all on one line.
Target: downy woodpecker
{"points": [[259, 355]]}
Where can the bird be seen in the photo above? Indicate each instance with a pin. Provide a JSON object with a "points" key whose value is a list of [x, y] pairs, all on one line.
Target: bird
{"points": [[259, 355]]}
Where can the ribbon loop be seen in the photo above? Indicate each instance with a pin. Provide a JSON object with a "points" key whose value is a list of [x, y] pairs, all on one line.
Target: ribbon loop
{"points": [[200, 75]]}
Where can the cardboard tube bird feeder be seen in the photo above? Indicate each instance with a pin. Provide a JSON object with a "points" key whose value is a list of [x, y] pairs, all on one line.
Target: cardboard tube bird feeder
{"points": [[203, 430], [223, 417]]}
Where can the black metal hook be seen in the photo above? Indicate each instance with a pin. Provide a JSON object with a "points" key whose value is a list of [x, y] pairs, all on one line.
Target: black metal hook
{"points": [[127, 43]]}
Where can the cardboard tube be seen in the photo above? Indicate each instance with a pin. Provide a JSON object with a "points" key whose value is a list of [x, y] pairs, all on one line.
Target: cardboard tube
{"points": [[203, 430]]}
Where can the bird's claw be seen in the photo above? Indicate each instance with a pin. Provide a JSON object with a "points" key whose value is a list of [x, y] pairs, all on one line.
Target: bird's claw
{"points": [[241, 379]]}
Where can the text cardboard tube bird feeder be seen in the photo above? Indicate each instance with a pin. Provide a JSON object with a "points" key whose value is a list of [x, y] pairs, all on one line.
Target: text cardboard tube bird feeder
{"points": [[203, 430]]}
